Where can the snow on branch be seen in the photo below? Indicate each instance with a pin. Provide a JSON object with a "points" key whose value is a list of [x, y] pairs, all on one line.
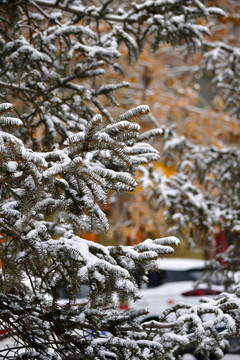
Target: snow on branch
{"points": [[133, 114], [123, 262]]}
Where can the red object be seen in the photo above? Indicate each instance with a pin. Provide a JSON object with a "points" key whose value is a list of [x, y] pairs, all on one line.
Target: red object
{"points": [[221, 242], [3, 332], [201, 292], [124, 306], [170, 302]]}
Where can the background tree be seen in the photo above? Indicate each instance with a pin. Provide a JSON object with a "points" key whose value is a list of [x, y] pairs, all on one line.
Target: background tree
{"points": [[60, 159], [202, 198], [176, 83]]}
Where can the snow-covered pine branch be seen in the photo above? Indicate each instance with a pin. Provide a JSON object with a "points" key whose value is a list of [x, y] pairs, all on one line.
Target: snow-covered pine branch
{"points": [[50, 61], [194, 325], [201, 199], [78, 177], [222, 62]]}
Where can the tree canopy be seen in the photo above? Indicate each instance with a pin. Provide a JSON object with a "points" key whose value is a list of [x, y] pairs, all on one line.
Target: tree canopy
{"points": [[63, 151]]}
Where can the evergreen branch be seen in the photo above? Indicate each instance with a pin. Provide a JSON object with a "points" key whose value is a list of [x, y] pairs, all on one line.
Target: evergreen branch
{"points": [[153, 324], [17, 87]]}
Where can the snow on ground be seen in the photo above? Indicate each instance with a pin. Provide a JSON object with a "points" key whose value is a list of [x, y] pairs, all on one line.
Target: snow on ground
{"points": [[5, 343]]}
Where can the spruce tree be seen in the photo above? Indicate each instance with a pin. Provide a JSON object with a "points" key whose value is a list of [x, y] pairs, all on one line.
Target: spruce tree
{"points": [[62, 152]]}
